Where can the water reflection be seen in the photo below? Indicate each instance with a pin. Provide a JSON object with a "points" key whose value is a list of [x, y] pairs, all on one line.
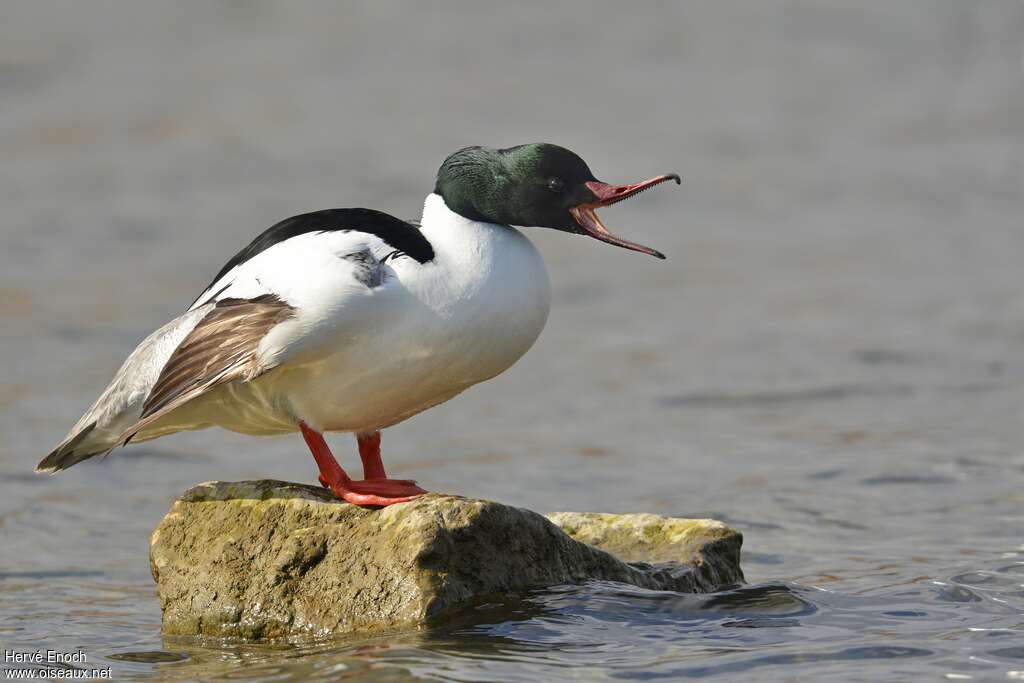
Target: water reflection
{"points": [[599, 630], [605, 629]]}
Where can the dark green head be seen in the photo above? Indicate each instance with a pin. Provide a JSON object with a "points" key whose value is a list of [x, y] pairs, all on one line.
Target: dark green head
{"points": [[538, 185]]}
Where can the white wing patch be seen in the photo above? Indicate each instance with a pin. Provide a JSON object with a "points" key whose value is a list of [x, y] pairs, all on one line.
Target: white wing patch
{"points": [[303, 269]]}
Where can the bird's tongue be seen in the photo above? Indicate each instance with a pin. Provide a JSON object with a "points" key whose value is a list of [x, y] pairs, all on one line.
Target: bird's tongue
{"points": [[605, 195]]}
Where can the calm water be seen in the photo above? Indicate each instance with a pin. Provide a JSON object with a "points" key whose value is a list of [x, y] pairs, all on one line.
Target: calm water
{"points": [[832, 358]]}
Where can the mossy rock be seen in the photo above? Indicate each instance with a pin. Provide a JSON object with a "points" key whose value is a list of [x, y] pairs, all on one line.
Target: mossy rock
{"points": [[265, 559]]}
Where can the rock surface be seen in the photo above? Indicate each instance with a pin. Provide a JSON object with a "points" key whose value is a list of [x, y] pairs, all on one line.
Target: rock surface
{"points": [[264, 559], [644, 537]]}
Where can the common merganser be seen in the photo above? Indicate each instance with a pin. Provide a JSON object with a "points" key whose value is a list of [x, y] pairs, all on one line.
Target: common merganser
{"points": [[351, 320]]}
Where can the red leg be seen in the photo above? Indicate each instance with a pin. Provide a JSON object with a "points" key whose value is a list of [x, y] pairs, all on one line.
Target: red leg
{"points": [[374, 477], [377, 493], [369, 453]]}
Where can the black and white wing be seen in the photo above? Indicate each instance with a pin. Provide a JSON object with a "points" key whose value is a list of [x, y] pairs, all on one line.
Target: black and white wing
{"points": [[271, 300]]}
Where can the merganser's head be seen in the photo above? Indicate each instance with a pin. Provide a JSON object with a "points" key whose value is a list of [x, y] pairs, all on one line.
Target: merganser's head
{"points": [[540, 185]]}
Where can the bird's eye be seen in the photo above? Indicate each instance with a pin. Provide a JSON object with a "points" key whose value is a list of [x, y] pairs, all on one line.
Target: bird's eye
{"points": [[556, 185]]}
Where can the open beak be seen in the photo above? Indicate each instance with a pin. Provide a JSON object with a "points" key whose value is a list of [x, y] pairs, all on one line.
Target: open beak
{"points": [[606, 195]]}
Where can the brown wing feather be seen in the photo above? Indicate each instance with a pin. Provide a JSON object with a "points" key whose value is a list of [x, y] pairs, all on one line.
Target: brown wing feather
{"points": [[221, 348]]}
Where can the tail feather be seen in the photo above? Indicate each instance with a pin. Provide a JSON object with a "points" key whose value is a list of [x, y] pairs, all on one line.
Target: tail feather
{"points": [[120, 405], [70, 452]]}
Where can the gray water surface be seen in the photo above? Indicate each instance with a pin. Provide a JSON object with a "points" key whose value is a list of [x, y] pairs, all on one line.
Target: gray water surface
{"points": [[831, 359]]}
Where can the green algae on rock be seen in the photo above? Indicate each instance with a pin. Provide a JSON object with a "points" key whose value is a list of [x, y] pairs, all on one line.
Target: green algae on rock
{"points": [[644, 537], [266, 559]]}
